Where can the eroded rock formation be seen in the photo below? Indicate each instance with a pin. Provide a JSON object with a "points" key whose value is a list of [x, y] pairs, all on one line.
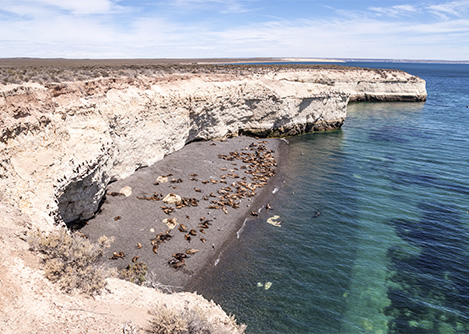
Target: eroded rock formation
{"points": [[61, 144]]}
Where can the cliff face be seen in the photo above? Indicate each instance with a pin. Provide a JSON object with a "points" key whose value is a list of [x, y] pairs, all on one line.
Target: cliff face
{"points": [[61, 144]]}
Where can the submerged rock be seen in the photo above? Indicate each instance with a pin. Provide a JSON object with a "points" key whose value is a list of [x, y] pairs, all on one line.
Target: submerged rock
{"points": [[274, 220]]}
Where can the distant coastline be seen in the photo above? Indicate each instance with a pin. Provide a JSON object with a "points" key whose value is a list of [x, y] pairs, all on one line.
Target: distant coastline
{"points": [[69, 62]]}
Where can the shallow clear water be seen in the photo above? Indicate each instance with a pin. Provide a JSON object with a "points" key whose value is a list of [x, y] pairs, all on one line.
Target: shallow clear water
{"points": [[375, 224]]}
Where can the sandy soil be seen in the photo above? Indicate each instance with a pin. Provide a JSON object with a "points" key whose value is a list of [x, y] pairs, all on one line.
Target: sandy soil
{"points": [[202, 172]]}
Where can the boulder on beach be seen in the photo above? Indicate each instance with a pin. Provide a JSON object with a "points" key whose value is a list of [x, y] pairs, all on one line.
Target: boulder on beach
{"points": [[170, 222], [162, 179], [126, 191], [172, 198]]}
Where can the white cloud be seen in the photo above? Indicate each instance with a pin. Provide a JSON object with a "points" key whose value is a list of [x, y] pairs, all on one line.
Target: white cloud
{"points": [[227, 6], [80, 6], [50, 28], [453, 8], [397, 10], [45, 7]]}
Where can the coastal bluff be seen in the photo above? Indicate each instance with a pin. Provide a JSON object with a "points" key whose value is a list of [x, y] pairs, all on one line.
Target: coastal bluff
{"points": [[63, 142]]}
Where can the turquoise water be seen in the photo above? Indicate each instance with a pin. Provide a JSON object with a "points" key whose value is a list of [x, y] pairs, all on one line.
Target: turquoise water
{"points": [[375, 224]]}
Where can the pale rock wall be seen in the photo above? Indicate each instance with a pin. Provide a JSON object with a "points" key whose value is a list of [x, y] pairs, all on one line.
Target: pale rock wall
{"points": [[61, 144]]}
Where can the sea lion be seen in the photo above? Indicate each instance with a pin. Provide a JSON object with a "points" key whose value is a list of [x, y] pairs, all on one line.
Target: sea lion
{"points": [[182, 228], [82, 235], [193, 232], [179, 264], [180, 256], [117, 218], [191, 251], [139, 245], [167, 209], [135, 259], [155, 248], [117, 255], [114, 193]]}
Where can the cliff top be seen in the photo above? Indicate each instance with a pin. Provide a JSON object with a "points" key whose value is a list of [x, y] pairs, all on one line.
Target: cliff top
{"points": [[42, 70]]}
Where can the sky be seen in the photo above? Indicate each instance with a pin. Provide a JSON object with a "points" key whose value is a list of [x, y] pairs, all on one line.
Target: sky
{"points": [[383, 29]]}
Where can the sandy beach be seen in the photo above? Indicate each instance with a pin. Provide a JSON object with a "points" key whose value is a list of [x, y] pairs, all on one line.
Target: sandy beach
{"points": [[193, 202]]}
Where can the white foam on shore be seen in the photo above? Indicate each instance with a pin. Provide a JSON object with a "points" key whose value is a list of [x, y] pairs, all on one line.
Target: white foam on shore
{"points": [[275, 190], [218, 259], [286, 141], [241, 229]]}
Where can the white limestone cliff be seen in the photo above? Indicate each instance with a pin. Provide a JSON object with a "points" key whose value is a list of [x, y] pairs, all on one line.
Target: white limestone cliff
{"points": [[61, 144]]}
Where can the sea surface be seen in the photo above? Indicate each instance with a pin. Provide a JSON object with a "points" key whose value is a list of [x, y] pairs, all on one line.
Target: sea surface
{"points": [[374, 234]]}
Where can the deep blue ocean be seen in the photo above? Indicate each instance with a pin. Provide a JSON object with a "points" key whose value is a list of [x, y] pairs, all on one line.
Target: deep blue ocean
{"points": [[374, 234]]}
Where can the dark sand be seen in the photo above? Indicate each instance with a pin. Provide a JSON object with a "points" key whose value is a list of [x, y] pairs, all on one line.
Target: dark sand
{"points": [[131, 220]]}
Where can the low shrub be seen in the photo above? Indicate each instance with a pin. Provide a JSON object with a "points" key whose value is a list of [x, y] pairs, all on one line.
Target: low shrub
{"points": [[135, 272], [189, 321], [72, 261]]}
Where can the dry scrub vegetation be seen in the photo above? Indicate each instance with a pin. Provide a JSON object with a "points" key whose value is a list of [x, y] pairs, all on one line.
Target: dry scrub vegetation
{"points": [[47, 71], [72, 261], [52, 74], [135, 272], [190, 321]]}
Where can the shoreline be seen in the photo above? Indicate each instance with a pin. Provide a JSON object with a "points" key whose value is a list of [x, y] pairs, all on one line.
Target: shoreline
{"points": [[260, 201], [132, 221]]}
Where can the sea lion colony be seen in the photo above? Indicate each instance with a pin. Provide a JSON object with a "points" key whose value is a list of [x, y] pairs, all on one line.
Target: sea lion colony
{"points": [[251, 169]]}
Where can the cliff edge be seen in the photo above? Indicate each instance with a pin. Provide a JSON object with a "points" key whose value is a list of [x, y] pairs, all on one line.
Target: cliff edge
{"points": [[62, 143]]}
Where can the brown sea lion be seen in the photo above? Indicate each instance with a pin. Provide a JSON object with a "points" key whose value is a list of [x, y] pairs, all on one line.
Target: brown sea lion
{"points": [[117, 255], [193, 232]]}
